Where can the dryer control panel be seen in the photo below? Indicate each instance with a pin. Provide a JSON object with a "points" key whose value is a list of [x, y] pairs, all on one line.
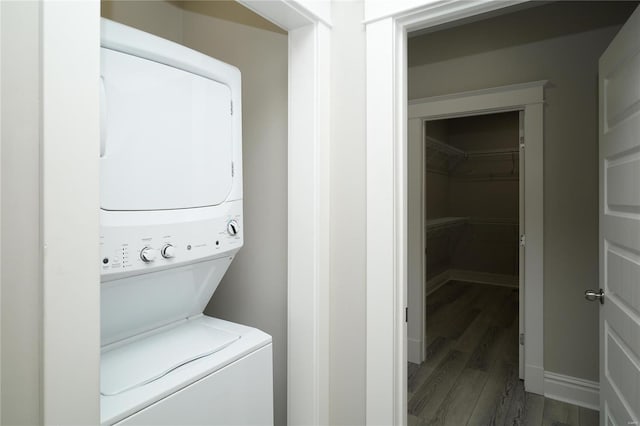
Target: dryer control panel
{"points": [[131, 248]]}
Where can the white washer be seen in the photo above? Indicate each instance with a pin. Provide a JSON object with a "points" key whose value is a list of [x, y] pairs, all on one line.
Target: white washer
{"points": [[171, 223]]}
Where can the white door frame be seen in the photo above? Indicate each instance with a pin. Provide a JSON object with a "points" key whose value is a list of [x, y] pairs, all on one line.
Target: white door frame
{"points": [[308, 205], [387, 24], [69, 206], [0, 216], [71, 193], [527, 98]]}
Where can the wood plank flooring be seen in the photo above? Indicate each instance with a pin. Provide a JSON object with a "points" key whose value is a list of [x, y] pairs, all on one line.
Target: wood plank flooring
{"points": [[470, 376]]}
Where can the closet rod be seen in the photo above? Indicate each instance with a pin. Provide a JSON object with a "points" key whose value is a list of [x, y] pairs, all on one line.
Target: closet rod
{"points": [[492, 152], [443, 147], [482, 222]]}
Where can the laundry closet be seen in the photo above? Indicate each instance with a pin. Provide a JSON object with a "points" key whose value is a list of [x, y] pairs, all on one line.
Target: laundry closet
{"points": [[254, 288], [472, 199]]}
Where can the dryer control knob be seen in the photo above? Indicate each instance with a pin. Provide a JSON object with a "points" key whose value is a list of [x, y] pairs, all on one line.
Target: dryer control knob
{"points": [[148, 254], [233, 228], [168, 251]]}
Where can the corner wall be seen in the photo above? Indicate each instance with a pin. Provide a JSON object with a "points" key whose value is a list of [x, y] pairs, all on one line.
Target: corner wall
{"points": [[21, 312], [486, 189], [348, 216]]}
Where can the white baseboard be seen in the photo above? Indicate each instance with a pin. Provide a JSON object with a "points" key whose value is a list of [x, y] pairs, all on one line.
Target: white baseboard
{"points": [[573, 390], [502, 280], [414, 354], [442, 278], [534, 379], [438, 281]]}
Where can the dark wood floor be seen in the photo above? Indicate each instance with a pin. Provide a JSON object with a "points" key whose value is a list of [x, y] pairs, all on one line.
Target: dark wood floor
{"points": [[470, 376]]}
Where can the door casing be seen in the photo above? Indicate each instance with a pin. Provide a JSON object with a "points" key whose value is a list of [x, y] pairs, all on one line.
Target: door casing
{"points": [[527, 98], [387, 24]]}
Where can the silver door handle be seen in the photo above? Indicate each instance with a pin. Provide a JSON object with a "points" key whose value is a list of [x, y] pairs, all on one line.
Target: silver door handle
{"points": [[592, 295]]}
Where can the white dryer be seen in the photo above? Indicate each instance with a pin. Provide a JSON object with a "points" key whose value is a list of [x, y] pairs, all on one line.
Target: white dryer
{"points": [[171, 223]]}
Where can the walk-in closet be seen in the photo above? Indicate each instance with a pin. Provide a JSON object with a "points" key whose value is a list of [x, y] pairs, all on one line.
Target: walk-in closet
{"points": [[472, 199], [503, 215], [472, 231]]}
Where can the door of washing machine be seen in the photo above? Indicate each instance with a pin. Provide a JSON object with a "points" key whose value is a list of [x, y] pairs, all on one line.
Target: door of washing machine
{"points": [[240, 394]]}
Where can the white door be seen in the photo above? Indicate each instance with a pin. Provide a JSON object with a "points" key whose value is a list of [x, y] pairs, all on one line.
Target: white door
{"points": [[620, 227]]}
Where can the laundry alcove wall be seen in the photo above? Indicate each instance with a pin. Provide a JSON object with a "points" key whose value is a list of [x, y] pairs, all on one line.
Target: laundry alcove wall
{"points": [[254, 290]]}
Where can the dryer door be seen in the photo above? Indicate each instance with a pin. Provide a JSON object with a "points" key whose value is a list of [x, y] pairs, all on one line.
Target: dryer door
{"points": [[167, 137]]}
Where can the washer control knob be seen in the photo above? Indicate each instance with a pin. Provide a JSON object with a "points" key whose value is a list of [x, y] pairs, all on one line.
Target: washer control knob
{"points": [[233, 228], [168, 251], [148, 254]]}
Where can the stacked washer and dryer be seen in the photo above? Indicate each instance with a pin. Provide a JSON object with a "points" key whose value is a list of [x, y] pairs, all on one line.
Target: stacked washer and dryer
{"points": [[171, 223]]}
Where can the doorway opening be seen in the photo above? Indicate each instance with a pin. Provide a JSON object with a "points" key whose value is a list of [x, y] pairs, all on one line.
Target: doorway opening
{"points": [[453, 55], [475, 216], [472, 213]]}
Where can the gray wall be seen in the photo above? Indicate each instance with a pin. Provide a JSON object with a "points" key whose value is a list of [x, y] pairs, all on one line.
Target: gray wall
{"points": [[20, 311], [161, 18], [489, 242], [348, 217], [254, 290], [436, 193], [560, 42], [437, 173]]}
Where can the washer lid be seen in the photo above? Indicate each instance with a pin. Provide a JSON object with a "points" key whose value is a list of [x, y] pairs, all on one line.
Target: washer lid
{"points": [[148, 359], [166, 140]]}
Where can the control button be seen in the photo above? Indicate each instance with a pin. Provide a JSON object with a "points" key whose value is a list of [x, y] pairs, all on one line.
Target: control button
{"points": [[168, 251], [148, 254], [233, 228], [105, 260]]}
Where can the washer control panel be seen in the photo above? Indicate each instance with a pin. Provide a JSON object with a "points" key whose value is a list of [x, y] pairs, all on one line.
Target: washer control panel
{"points": [[140, 248], [168, 251], [233, 227]]}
